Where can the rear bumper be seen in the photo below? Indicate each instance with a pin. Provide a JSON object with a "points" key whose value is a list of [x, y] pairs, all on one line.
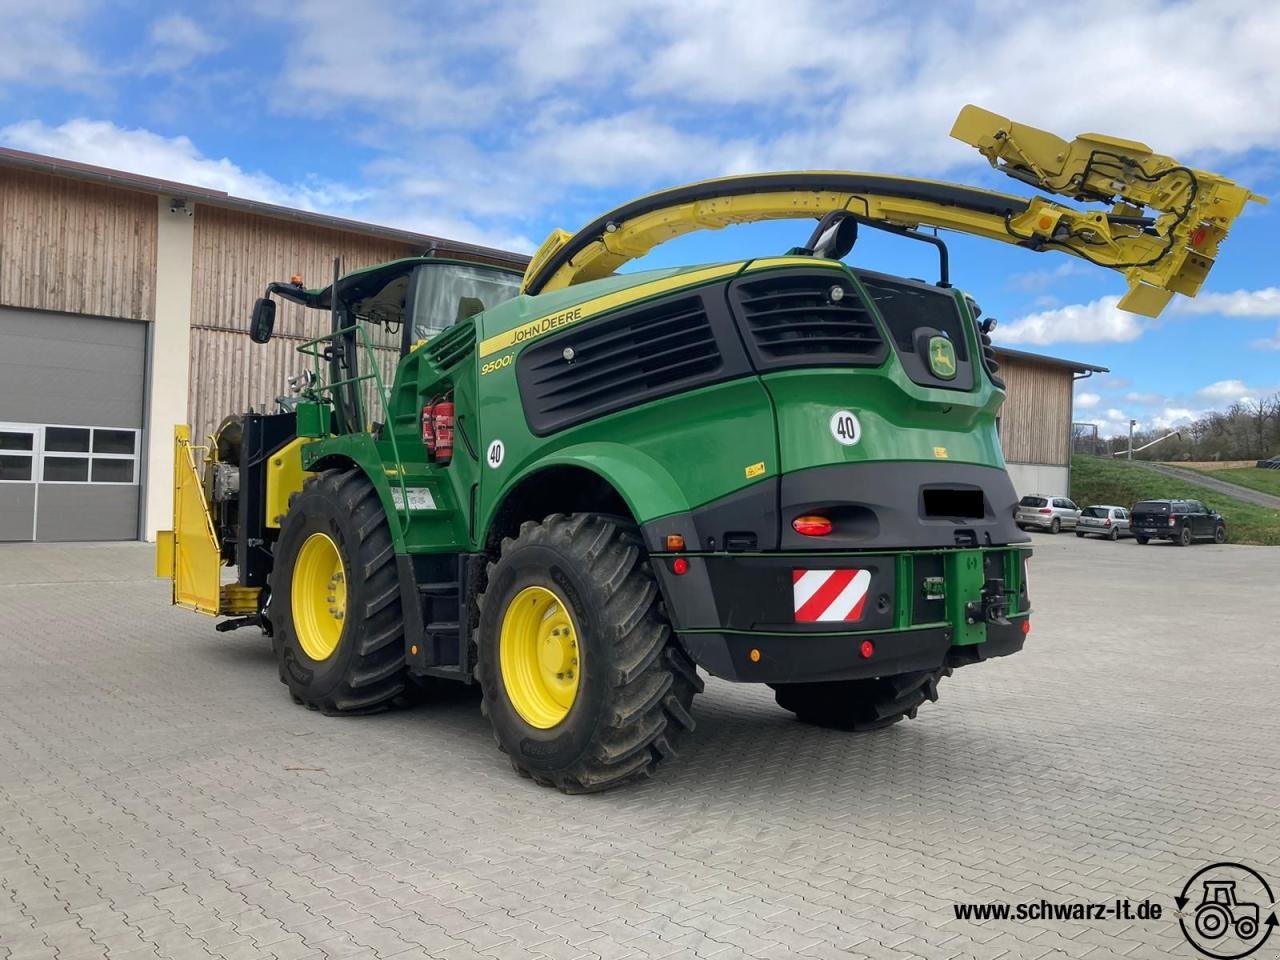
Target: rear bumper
{"points": [[746, 617], [1039, 520], [788, 658]]}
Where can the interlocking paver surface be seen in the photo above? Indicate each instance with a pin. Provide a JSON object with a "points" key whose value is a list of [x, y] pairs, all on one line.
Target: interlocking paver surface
{"points": [[161, 796]]}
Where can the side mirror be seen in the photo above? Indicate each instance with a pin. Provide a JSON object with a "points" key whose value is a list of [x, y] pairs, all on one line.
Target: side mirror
{"points": [[263, 321]]}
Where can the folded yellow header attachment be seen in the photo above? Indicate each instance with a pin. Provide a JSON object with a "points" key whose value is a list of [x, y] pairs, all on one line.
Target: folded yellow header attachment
{"points": [[1161, 229], [1165, 222]]}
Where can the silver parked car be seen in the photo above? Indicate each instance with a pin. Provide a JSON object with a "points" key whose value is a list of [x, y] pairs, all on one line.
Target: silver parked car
{"points": [[1102, 520], [1046, 513]]}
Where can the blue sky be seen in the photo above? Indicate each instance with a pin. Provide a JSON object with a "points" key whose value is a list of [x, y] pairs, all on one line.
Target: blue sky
{"points": [[495, 122]]}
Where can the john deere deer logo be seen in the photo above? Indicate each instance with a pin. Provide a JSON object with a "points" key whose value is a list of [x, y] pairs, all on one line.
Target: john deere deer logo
{"points": [[942, 358]]}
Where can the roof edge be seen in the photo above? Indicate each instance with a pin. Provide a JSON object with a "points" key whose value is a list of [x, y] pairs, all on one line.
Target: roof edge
{"points": [[122, 179], [1075, 365]]}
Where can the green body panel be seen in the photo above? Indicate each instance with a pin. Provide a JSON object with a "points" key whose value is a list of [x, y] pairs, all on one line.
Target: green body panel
{"points": [[963, 572], [663, 457]]}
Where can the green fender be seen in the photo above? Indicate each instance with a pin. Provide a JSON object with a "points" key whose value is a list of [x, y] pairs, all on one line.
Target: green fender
{"points": [[360, 451], [644, 484]]}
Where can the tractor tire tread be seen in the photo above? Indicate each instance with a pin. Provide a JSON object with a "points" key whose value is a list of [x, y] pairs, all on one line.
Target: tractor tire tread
{"points": [[652, 678], [375, 675]]}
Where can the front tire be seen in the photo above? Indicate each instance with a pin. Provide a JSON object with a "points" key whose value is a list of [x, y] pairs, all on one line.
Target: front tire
{"points": [[584, 683], [1220, 534], [337, 625], [860, 705]]}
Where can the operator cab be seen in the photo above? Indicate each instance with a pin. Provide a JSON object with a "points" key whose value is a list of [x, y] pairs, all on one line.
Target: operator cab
{"points": [[412, 299], [418, 300]]}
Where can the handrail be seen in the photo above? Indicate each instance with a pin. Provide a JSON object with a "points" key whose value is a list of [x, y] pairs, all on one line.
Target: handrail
{"points": [[311, 349]]}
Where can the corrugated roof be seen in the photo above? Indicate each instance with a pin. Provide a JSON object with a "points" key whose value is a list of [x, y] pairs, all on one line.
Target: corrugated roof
{"points": [[124, 180]]}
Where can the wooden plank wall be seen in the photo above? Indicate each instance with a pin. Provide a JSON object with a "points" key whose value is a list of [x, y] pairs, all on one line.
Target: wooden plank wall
{"points": [[236, 255], [76, 247], [1035, 421]]}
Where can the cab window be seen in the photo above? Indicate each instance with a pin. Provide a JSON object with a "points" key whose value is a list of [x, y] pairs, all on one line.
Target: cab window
{"points": [[447, 293]]}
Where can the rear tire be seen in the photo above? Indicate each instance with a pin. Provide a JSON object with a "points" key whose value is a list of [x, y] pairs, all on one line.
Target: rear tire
{"points": [[587, 581], [1115, 534], [1079, 534], [1184, 538], [860, 705], [1055, 526], [349, 664], [1141, 541]]}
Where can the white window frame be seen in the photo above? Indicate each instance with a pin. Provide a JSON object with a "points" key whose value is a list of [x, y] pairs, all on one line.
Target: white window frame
{"points": [[37, 436], [39, 453]]}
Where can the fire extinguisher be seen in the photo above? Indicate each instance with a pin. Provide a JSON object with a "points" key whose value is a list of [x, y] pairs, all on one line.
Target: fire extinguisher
{"points": [[437, 429]]}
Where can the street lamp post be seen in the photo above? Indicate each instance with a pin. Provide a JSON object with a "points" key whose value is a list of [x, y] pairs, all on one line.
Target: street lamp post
{"points": [[1132, 424]]}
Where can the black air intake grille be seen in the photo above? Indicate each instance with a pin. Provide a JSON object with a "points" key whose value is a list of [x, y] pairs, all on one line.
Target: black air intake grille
{"points": [[618, 362], [792, 319]]}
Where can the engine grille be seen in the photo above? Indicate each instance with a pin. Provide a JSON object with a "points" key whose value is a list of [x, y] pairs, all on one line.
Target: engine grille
{"points": [[637, 356], [792, 319]]}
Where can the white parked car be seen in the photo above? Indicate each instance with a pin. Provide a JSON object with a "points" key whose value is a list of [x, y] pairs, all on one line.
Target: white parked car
{"points": [[1046, 513], [1102, 520]]}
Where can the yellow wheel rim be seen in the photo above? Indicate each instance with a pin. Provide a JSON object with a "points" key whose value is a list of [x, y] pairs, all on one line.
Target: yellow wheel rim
{"points": [[540, 657], [319, 596]]}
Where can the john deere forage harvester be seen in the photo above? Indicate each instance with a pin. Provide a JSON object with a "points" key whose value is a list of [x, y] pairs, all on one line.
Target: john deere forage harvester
{"points": [[583, 486]]}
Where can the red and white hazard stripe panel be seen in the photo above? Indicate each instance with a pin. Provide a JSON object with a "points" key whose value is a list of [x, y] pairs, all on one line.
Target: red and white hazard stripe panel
{"points": [[829, 596]]}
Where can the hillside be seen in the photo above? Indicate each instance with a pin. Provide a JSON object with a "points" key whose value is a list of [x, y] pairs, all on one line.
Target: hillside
{"points": [[1118, 482]]}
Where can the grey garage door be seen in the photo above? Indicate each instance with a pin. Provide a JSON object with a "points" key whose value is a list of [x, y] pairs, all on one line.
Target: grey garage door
{"points": [[71, 391]]}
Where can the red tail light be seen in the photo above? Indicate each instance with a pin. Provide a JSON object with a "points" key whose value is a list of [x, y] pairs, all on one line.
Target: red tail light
{"points": [[868, 649], [812, 526], [1108, 523], [1173, 522]]}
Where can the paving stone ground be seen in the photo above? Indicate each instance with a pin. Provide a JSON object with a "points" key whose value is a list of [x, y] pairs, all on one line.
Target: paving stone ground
{"points": [[161, 796]]}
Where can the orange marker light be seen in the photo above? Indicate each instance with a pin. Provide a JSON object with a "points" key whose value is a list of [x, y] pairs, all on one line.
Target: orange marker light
{"points": [[755, 655], [811, 526], [675, 541], [296, 279]]}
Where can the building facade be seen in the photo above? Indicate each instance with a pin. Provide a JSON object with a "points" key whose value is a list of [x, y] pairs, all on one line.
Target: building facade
{"points": [[124, 302], [1035, 421]]}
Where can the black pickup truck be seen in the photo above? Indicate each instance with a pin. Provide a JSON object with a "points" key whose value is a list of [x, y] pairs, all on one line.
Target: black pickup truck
{"points": [[1181, 521]]}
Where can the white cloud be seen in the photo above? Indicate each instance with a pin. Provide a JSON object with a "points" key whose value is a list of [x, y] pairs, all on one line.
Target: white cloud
{"points": [[1172, 417], [176, 42], [170, 158], [1086, 400], [1225, 391], [1036, 281], [1239, 303], [39, 46], [1268, 343], [1099, 321]]}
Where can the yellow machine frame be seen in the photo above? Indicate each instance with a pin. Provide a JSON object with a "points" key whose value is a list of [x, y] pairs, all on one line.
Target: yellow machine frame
{"points": [[189, 554], [1168, 251]]}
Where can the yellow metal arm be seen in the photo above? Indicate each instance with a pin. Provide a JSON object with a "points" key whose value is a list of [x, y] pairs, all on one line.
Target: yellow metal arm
{"points": [[1167, 251]]}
